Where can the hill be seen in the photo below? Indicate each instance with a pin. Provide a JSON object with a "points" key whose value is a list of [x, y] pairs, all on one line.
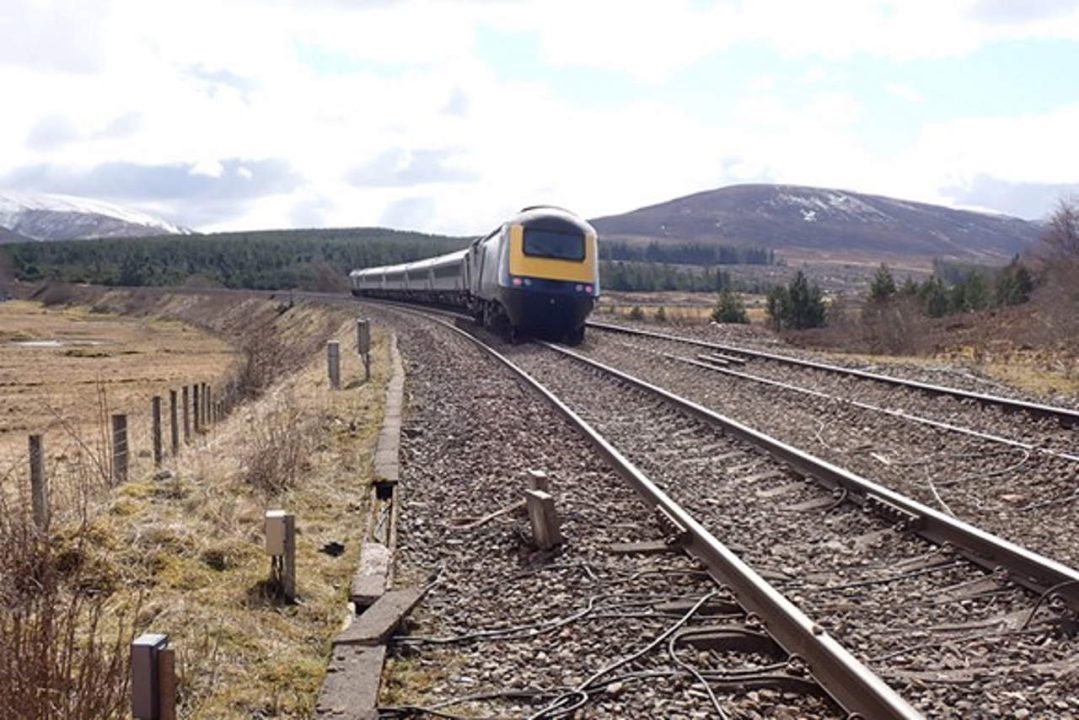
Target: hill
{"points": [[8, 236], [63, 217], [821, 223]]}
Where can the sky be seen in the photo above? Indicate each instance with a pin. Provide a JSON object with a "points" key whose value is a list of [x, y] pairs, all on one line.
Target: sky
{"points": [[449, 116]]}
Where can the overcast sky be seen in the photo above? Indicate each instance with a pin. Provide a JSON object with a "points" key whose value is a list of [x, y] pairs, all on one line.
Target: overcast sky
{"points": [[447, 116]]}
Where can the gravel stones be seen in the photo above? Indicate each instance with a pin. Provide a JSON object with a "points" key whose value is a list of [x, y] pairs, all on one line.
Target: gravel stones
{"points": [[520, 626]]}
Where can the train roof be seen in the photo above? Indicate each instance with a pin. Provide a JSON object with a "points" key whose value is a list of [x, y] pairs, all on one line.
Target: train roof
{"points": [[538, 213], [447, 259]]}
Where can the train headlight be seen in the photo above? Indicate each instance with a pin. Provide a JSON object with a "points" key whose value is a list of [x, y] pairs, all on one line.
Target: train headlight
{"points": [[588, 288], [517, 282], [579, 287]]}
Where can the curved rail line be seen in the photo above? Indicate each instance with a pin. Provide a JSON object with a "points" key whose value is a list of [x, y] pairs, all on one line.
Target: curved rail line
{"points": [[857, 689], [899, 414], [1065, 416], [1032, 570]]}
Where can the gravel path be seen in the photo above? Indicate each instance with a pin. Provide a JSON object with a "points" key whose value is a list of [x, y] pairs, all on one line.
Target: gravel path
{"points": [[947, 637], [1026, 496], [471, 435]]}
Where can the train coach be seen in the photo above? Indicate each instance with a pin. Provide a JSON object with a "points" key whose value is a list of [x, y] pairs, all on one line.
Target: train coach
{"points": [[537, 274]]}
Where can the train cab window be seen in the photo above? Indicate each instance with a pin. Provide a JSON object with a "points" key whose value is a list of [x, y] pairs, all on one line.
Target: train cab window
{"points": [[547, 244]]}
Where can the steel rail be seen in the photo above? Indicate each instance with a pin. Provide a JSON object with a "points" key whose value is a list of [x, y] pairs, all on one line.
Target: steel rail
{"points": [[1032, 570], [1066, 416], [851, 684], [900, 414]]}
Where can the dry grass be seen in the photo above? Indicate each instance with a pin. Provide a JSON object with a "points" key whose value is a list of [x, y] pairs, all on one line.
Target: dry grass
{"points": [[183, 554], [671, 308], [105, 364]]}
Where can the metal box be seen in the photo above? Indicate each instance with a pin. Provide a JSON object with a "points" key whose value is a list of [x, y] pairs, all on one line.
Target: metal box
{"points": [[275, 532]]}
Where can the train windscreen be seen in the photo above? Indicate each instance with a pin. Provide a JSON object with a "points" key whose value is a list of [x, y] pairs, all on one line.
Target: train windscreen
{"points": [[560, 246]]}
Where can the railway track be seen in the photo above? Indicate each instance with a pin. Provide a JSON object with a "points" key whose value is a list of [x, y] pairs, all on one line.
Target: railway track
{"points": [[1066, 417], [843, 565], [1016, 476]]}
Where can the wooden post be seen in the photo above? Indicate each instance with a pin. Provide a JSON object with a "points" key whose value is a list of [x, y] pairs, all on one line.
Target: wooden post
{"points": [[187, 415], [363, 346], [333, 361], [119, 449], [210, 419], [173, 426], [39, 490], [281, 546], [155, 428], [195, 405]]}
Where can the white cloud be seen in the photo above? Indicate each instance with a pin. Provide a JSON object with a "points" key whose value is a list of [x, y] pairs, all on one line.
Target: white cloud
{"points": [[326, 87]]}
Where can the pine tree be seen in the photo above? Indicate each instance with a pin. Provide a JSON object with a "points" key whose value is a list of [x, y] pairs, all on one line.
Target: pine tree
{"points": [[882, 289], [730, 309]]}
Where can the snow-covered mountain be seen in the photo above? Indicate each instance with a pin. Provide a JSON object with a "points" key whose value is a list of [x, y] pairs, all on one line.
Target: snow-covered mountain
{"points": [[824, 222], [64, 217]]}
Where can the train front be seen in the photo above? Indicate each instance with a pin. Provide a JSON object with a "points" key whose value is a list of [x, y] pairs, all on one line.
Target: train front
{"points": [[552, 279]]}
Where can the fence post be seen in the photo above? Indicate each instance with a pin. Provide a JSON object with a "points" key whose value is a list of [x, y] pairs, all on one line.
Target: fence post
{"points": [[155, 428], [39, 490], [187, 415], [333, 361], [119, 449], [210, 419], [363, 345], [195, 407], [173, 426]]}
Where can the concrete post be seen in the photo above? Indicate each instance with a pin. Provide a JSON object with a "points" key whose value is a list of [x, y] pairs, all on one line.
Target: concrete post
{"points": [[39, 490], [538, 480], [543, 518], [333, 362], [363, 345]]}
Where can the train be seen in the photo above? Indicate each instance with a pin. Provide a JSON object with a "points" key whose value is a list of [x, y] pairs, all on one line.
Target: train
{"points": [[535, 274]]}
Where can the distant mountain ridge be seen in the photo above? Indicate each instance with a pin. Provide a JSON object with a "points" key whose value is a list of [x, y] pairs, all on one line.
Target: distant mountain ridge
{"points": [[824, 222], [44, 217]]}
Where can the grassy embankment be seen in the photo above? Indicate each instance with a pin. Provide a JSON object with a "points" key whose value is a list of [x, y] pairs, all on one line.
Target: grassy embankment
{"points": [[181, 552]]}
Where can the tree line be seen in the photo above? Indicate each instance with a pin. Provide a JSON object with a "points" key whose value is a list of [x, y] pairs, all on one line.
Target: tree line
{"points": [[271, 260]]}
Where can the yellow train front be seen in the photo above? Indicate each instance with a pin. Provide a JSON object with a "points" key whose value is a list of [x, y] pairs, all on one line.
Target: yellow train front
{"points": [[536, 274]]}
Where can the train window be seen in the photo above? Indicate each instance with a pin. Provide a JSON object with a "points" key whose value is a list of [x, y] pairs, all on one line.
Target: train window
{"points": [[547, 244]]}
